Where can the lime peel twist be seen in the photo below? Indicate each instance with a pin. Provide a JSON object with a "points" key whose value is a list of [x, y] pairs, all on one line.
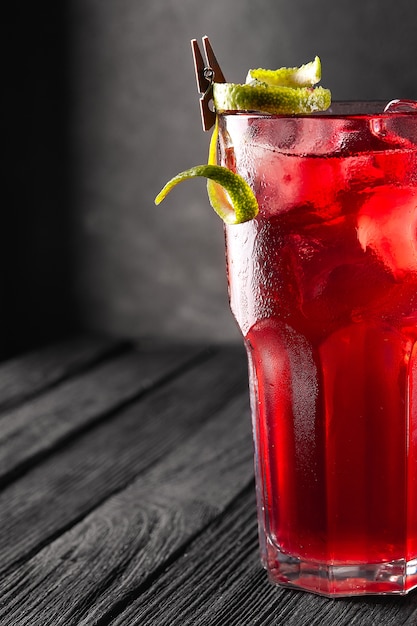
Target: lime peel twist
{"points": [[286, 91], [229, 194], [304, 76], [273, 99]]}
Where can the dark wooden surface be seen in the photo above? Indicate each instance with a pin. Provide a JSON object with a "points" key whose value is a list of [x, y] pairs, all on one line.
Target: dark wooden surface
{"points": [[127, 495]]}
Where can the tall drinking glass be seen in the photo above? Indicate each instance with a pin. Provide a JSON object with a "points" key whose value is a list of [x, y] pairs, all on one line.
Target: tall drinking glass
{"points": [[323, 285]]}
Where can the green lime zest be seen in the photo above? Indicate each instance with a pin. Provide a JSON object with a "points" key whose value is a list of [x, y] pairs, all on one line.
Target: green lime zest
{"points": [[285, 91], [273, 99], [231, 209], [229, 194], [304, 76]]}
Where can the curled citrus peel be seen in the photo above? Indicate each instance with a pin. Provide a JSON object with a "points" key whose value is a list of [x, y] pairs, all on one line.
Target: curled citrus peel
{"points": [[286, 91], [229, 194], [272, 99], [304, 76]]}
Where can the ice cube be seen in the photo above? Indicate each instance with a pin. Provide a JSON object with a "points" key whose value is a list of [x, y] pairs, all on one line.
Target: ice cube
{"points": [[387, 224], [395, 128], [401, 106]]}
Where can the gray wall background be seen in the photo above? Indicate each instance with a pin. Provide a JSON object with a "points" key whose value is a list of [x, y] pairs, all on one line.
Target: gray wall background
{"points": [[104, 110]]}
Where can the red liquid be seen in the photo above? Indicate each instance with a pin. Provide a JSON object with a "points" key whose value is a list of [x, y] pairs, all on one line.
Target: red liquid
{"points": [[323, 284]]}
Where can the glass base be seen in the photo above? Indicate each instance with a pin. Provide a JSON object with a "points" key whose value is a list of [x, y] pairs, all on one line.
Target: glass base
{"points": [[330, 580]]}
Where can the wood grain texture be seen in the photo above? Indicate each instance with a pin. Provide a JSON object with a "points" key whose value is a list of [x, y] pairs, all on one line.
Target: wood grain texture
{"points": [[34, 429], [71, 482], [208, 574], [27, 375], [219, 580], [117, 550]]}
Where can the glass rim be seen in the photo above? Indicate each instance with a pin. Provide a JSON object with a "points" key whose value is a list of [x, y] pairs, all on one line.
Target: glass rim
{"points": [[339, 109]]}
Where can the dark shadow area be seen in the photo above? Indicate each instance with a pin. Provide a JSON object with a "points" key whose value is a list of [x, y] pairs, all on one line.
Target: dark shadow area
{"points": [[35, 239]]}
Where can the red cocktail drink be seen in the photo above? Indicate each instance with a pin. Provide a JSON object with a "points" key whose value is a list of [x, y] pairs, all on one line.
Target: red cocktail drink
{"points": [[323, 284]]}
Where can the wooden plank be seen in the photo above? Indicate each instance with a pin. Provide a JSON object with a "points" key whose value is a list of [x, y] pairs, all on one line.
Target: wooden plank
{"points": [[207, 574], [35, 428], [24, 376], [219, 580], [121, 546], [66, 486]]}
